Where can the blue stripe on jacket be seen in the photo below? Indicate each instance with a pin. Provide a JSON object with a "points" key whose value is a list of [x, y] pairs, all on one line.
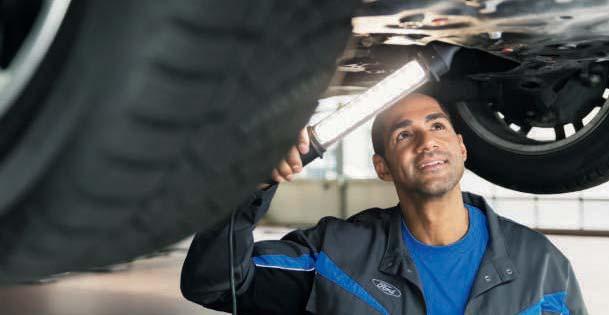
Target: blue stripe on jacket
{"points": [[325, 267], [554, 303], [301, 263]]}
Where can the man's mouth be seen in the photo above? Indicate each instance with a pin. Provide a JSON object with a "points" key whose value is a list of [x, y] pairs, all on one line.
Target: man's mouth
{"points": [[432, 164]]}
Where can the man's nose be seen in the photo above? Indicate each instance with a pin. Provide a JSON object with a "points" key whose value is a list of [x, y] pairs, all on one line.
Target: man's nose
{"points": [[427, 143]]}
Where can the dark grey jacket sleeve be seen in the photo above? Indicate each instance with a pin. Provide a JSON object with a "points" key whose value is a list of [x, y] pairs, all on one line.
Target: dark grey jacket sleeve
{"points": [[575, 301], [205, 273]]}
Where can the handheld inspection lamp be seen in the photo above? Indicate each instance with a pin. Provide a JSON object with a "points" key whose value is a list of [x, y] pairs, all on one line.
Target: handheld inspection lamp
{"points": [[430, 64], [433, 61]]}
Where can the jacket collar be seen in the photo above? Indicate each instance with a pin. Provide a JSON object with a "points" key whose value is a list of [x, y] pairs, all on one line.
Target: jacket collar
{"points": [[396, 259], [496, 266]]}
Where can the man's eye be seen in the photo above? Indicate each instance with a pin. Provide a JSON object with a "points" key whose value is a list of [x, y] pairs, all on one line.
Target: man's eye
{"points": [[438, 126], [403, 135]]}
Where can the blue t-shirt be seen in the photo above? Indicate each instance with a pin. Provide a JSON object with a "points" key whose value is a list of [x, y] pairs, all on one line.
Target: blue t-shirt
{"points": [[447, 273]]}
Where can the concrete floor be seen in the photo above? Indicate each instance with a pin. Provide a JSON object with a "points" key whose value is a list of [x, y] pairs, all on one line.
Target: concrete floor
{"points": [[147, 287], [151, 286]]}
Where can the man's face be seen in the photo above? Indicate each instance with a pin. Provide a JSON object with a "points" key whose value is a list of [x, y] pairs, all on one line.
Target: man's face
{"points": [[423, 153]]}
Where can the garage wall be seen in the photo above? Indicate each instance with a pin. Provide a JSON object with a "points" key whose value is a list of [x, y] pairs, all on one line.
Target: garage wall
{"points": [[304, 202]]}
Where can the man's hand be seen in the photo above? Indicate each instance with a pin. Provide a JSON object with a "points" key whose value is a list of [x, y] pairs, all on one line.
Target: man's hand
{"points": [[291, 164]]}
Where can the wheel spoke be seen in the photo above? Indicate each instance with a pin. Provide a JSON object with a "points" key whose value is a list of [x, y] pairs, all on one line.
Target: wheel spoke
{"points": [[560, 132], [531, 133], [524, 130]]}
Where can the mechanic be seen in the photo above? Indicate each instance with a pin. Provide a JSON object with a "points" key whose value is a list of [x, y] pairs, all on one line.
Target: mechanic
{"points": [[439, 251]]}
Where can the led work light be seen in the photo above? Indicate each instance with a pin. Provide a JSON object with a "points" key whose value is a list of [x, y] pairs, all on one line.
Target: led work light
{"points": [[433, 62]]}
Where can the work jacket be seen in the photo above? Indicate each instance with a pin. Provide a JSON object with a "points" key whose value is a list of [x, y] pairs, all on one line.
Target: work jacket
{"points": [[361, 266]]}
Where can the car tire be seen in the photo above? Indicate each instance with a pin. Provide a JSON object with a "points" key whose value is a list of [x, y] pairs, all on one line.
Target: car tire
{"points": [[149, 121]]}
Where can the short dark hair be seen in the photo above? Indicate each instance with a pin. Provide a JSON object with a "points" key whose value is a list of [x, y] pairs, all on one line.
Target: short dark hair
{"points": [[378, 143]]}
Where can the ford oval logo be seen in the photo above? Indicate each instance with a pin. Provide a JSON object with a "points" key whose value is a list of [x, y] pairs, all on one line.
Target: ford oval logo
{"points": [[386, 288]]}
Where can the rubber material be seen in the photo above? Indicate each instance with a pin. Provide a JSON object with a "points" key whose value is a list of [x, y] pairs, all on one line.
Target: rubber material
{"points": [[165, 114]]}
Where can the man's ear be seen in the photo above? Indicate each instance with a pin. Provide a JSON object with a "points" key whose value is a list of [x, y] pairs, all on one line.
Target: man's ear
{"points": [[463, 148], [381, 168]]}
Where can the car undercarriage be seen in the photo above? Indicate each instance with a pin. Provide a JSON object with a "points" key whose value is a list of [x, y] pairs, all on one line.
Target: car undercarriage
{"points": [[528, 89]]}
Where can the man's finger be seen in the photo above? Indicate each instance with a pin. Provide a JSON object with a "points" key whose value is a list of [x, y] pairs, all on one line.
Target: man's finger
{"points": [[293, 160], [276, 177], [303, 141], [285, 170]]}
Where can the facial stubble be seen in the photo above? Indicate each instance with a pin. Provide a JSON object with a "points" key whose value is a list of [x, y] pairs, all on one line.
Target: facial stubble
{"points": [[436, 187]]}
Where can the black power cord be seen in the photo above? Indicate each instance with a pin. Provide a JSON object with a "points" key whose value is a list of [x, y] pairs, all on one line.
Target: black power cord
{"points": [[231, 259]]}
